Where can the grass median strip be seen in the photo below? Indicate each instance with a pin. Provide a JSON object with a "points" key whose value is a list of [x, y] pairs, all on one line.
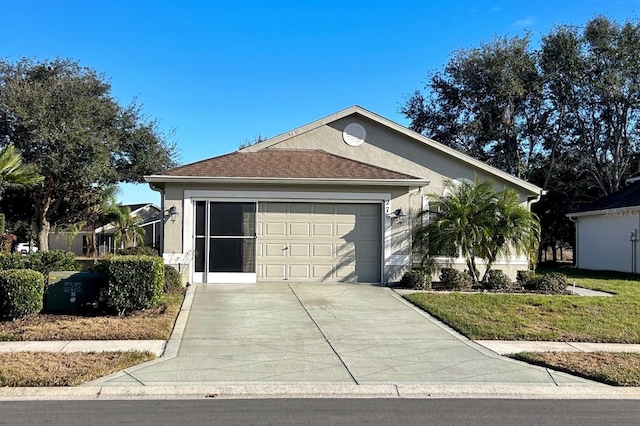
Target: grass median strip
{"points": [[63, 369], [618, 369]]}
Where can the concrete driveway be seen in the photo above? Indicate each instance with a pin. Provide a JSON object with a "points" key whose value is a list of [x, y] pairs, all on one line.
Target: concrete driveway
{"points": [[321, 334]]}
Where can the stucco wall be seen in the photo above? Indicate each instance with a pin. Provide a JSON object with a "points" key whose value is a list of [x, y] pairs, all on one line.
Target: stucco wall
{"points": [[389, 149], [604, 241], [384, 147]]}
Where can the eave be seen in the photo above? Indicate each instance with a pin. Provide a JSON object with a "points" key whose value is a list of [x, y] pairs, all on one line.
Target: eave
{"points": [[287, 181]]}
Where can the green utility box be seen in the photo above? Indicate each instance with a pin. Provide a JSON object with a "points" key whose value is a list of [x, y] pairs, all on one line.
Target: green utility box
{"points": [[72, 291]]}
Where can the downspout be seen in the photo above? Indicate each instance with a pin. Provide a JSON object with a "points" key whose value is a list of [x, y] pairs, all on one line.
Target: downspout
{"points": [[531, 201], [575, 254], [161, 191]]}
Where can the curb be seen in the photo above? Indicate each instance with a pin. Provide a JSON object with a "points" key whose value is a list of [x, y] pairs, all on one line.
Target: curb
{"points": [[434, 391]]}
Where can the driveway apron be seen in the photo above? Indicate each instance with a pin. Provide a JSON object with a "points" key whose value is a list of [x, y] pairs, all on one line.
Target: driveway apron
{"points": [[324, 334]]}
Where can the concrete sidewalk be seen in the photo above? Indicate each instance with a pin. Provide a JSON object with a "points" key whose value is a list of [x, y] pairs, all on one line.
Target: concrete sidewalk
{"points": [[154, 346]]}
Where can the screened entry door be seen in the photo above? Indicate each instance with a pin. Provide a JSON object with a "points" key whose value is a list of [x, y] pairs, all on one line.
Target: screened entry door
{"points": [[224, 242]]}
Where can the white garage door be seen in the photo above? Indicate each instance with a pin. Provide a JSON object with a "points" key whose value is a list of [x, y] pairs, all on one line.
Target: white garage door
{"points": [[319, 242]]}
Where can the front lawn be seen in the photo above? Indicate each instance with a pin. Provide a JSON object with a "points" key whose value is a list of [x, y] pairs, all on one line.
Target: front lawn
{"points": [[152, 324], [539, 317]]}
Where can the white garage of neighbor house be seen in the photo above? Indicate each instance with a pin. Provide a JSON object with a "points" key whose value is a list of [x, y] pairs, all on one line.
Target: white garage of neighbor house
{"points": [[332, 201], [608, 230]]}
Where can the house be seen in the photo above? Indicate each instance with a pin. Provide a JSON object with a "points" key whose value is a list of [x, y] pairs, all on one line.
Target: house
{"points": [[148, 214], [608, 230], [334, 200]]}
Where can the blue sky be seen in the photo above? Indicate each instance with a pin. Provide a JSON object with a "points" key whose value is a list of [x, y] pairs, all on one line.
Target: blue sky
{"points": [[219, 73]]}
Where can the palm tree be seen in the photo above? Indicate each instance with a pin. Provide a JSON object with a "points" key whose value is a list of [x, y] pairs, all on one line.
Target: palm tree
{"points": [[13, 172], [128, 233], [101, 213], [478, 222]]}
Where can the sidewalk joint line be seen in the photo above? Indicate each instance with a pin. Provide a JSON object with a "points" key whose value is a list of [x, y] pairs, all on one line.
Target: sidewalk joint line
{"points": [[65, 346], [552, 379], [323, 335], [133, 377]]}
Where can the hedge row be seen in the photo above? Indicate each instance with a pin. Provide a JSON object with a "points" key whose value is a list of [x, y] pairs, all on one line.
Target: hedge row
{"points": [[43, 262]]}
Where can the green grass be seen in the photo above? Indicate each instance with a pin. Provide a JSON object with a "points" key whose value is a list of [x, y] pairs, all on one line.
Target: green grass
{"points": [[484, 316]]}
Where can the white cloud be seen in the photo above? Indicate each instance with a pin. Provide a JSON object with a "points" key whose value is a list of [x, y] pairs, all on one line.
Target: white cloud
{"points": [[524, 22], [495, 9]]}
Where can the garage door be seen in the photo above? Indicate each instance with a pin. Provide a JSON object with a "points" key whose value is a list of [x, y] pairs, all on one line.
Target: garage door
{"points": [[319, 242]]}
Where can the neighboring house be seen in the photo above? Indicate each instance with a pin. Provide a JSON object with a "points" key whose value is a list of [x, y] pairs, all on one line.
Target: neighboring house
{"points": [[608, 230], [334, 200], [149, 215]]}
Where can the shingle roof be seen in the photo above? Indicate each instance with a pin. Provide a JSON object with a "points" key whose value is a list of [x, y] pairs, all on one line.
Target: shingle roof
{"points": [[629, 196], [285, 163]]}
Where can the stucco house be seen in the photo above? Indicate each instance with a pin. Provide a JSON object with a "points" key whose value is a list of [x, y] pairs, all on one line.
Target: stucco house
{"points": [[608, 230], [149, 218], [331, 201]]}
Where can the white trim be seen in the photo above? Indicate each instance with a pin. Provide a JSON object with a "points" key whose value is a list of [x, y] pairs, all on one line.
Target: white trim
{"points": [[287, 196], [192, 195], [231, 278], [286, 181], [605, 212]]}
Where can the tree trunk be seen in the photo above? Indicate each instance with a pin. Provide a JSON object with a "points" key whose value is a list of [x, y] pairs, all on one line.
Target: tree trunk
{"points": [[43, 228]]}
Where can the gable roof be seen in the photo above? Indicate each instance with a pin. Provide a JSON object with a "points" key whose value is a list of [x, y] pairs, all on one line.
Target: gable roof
{"points": [[529, 187], [286, 163], [629, 196], [299, 165]]}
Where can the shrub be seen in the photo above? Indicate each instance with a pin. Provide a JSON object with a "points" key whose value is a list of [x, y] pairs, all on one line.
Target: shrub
{"points": [[495, 279], [13, 261], [21, 292], [133, 282], [453, 279], [552, 283], [53, 260], [138, 251], [525, 277], [172, 280], [416, 279]]}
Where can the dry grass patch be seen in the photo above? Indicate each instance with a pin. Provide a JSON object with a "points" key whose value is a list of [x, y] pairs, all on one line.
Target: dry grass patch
{"points": [[618, 369], [63, 369], [149, 324]]}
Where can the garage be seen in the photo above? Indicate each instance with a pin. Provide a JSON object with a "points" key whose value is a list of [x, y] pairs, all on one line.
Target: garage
{"points": [[321, 242]]}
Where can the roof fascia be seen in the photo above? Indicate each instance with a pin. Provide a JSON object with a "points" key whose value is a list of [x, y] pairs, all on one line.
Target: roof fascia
{"points": [[605, 212], [305, 181]]}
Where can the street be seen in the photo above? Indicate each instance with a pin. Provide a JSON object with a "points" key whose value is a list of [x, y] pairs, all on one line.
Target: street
{"points": [[322, 412]]}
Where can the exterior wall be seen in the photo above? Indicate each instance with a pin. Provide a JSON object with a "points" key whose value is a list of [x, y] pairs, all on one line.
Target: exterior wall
{"points": [[397, 235], [58, 241], [383, 147], [603, 241], [389, 149]]}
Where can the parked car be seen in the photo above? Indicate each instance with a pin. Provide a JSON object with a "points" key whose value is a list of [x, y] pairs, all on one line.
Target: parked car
{"points": [[24, 248]]}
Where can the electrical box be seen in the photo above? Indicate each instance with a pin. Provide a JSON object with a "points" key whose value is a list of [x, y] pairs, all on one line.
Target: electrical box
{"points": [[72, 291]]}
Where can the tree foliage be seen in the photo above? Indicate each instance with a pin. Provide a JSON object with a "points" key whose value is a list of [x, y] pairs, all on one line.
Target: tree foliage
{"points": [[63, 119], [565, 116]]}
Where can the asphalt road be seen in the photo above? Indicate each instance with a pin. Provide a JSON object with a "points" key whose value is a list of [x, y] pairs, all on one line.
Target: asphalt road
{"points": [[310, 412]]}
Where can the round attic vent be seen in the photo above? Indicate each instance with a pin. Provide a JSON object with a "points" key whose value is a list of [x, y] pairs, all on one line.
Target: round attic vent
{"points": [[354, 134]]}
